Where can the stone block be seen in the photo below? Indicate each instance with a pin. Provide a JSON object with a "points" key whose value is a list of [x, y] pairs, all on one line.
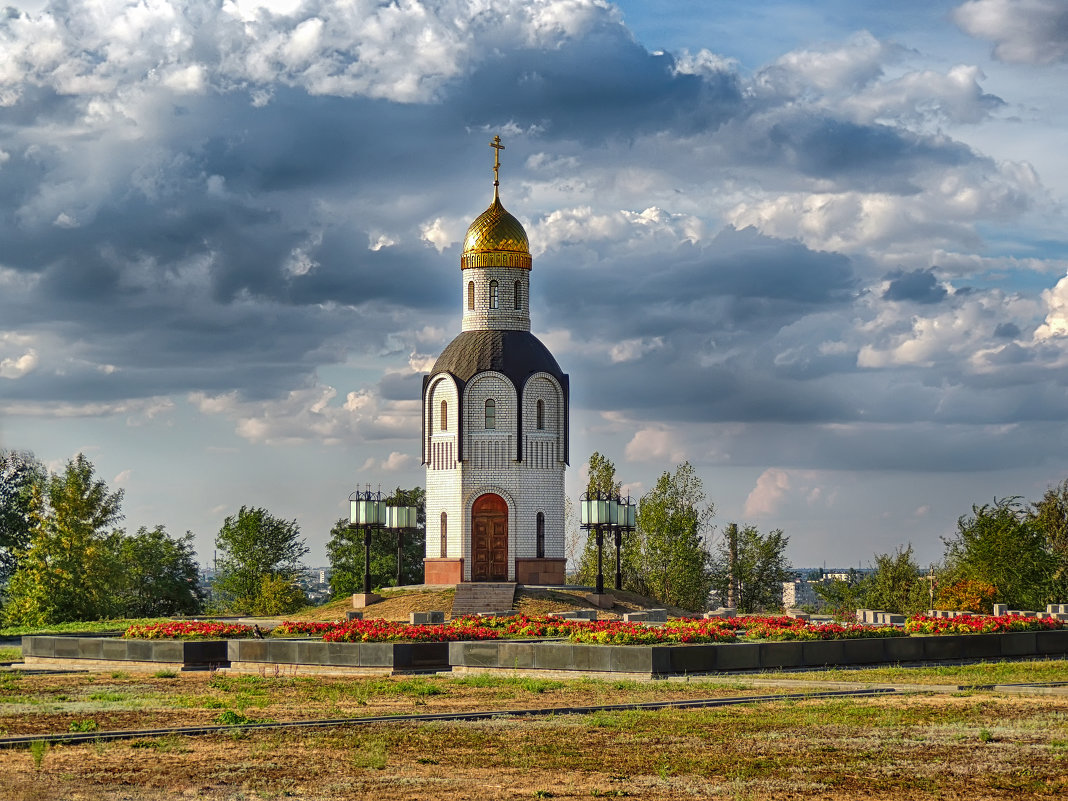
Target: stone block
{"points": [[364, 599], [903, 649], [249, 650], [283, 652], [656, 615], [687, 659], [635, 617], [603, 601], [1052, 642], [66, 647], [377, 654], [114, 649], [592, 657], [574, 614], [797, 614], [474, 654], [38, 646], [554, 656], [631, 658], [516, 655], [206, 652], [863, 651], [346, 654], [961, 646], [894, 620], [860, 615], [817, 653], [775, 655], [90, 648], [426, 618], [1000, 609], [1018, 643], [140, 651], [311, 652], [738, 656], [428, 655], [352, 614]]}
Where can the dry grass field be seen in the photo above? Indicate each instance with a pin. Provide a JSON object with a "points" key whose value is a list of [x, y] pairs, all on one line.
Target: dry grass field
{"points": [[972, 744]]}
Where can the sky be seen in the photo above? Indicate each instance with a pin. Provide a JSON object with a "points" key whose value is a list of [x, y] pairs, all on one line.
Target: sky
{"points": [[818, 250]]}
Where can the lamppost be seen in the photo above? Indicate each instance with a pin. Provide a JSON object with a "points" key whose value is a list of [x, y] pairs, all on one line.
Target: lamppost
{"points": [[626, 520], [400, 518], [598, 510], [368, 511]]}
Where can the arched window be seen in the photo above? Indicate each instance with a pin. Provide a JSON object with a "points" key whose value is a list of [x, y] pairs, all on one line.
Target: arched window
{"points": [[471, 295], [445, 416], [494, 294], [541, 415], [541, 535], [491, 413], [518, 295], [444, 535]]}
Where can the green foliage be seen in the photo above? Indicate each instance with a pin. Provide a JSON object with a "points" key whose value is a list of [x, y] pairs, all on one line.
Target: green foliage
{"points": [[896, 585], [1050, 515], [19, 473], [760, 570], [278, 595], [254, 545], [158, 576], [1003, 545], [843, 598], [67, 572], [666, 558], [345, 550]]}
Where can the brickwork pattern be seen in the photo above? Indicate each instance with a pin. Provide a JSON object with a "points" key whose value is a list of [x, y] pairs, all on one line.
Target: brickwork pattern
{"points": [[505, 316]]}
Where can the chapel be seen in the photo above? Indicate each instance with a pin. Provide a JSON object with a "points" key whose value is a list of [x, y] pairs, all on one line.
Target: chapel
{"points": [[495, 422]]}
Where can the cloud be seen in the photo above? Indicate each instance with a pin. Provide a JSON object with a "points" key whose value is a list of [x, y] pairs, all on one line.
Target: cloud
{"points": [[919, 286], [1023, 31], [770, 490]]}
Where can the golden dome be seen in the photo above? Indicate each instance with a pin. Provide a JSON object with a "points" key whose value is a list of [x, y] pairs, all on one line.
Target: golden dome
{"points": [[496, 238]]}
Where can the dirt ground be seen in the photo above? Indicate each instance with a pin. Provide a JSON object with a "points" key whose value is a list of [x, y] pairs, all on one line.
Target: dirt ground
{"points": [[398, 604], [979, 745]]}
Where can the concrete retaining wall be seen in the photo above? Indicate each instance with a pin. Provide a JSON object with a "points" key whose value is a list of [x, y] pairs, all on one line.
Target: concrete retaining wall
{"points": [[187, 653], [685, 659], [312, 653]]}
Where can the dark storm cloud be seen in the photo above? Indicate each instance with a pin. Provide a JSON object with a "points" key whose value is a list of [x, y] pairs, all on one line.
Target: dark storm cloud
{"points": [[919, 286]]}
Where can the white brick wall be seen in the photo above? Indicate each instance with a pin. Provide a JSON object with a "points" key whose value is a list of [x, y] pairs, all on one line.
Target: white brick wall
{"points": [[505, 316]]}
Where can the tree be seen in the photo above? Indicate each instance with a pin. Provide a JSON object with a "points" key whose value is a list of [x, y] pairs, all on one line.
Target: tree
{"points": [[760, 568], [158, 576], [1050, 515], [19, 472], [666, 558], [67, 572], [345, 550], [895, 584], [1003, 545], [843, 598], [255, 545]]}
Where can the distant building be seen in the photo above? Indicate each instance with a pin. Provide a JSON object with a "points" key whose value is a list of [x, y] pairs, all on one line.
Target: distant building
{"points": [[799, 593]]}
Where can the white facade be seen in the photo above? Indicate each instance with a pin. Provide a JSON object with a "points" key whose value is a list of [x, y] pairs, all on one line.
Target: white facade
{"points": [[495, 423]]}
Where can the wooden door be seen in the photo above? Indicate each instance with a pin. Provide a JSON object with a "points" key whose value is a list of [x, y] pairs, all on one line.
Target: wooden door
{"points": [[489, 539]]}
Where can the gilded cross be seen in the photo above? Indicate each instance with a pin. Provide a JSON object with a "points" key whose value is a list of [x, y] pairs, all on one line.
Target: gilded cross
{"points": [[496, 145]]}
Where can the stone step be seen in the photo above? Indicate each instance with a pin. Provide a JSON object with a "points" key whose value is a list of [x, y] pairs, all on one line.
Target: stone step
{"points": [[474, 597]]}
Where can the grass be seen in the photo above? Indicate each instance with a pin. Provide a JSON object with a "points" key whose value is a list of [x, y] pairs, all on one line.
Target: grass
{"points": [[11, 653], [79, 627], [976, 674]]}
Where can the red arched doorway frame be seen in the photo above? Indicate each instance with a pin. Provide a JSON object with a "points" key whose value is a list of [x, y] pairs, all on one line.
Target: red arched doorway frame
{"points": [[489, 538]]}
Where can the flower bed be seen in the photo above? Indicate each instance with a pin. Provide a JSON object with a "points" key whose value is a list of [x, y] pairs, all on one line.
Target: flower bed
{"points": [[979, 624], [390, 631], [296, 628], [789, 628], [188, 630]]}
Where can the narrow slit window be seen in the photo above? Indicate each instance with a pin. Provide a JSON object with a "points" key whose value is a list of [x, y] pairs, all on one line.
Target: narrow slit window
{"points": [[444, 535], [541, 415], [541, 536], [444, 416], [518, 295], [494, 295], [471, 295], [491, 413]]}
